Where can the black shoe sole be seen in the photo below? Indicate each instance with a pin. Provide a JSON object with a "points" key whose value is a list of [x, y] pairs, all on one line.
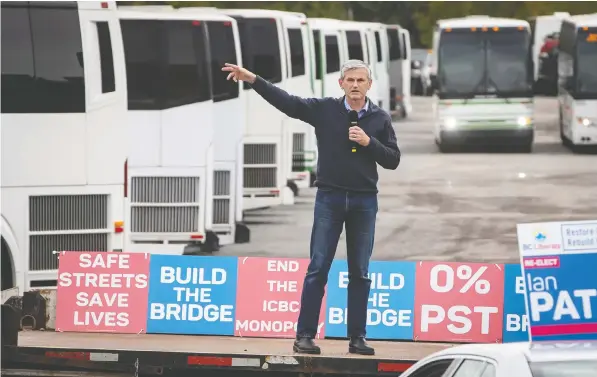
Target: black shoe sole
{"points": [[307, 351], [359, 351]]}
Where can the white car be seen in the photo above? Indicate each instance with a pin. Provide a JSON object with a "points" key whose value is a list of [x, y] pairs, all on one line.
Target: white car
{"points": [[541, 359]]}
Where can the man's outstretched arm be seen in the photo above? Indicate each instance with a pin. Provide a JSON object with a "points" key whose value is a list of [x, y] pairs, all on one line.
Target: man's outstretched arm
{"points": [[293, 106]]}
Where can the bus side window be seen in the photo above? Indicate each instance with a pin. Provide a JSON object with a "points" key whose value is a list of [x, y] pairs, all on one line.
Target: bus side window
{"points": [[106, 57], [355, 47], [332, 53], [187, 71], [143, 69], [18, 77], [378, 46], [223, 50], [317, 57], [60, 81], [297, 55], [395, 53]]}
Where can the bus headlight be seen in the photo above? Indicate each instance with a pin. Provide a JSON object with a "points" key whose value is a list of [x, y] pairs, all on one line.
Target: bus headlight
{"points": [[449, 123], [586, 122], [523, 121]]}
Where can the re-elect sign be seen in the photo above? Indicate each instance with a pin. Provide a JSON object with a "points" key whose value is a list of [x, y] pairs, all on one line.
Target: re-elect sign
{"points": [[192, 295], [102, 292], [390, 310], [561, 282], [461, 302]]}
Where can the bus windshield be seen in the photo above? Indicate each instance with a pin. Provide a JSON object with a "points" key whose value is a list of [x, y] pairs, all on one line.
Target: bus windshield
{"points": [[461, 62], [507, 62], [485, 63], [586, 61]]}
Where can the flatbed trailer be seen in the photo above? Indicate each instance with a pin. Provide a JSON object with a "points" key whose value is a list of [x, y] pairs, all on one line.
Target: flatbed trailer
{"points": [[37, 352]]}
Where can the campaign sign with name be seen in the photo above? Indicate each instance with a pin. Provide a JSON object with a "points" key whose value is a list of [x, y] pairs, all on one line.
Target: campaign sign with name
{"points": [[516, 322], [269, 296], [192, 295], [102, 292], [561, 282], [390, 310], [461, 302]]}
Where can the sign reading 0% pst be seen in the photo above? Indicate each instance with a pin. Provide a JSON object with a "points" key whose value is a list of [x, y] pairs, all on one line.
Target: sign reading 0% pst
{"points": [[460, 302]]}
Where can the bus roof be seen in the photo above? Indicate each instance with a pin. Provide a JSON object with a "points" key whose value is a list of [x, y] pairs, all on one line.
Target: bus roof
{"points": [[323, 23], [481, 21], [170, 15], [558, 15], [589, 20], [259, 13]]}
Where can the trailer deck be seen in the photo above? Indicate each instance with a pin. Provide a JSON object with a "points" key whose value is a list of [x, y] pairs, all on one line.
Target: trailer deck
{"points": [[156, 354]]}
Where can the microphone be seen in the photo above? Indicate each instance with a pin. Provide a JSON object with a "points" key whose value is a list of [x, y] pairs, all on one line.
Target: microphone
{"points": [[354, 120]]}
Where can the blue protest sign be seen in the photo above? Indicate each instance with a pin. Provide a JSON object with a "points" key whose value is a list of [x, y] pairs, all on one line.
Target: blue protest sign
{"points": [[561, 279], [515, 327], [192, 295], [391, 300]]}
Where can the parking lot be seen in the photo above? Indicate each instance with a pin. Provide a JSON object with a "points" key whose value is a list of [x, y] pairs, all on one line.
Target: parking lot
{"points": [[452, 207]]}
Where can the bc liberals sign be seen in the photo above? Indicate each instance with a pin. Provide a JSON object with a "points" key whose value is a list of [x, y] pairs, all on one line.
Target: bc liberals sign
{"points": [[558, 261]]}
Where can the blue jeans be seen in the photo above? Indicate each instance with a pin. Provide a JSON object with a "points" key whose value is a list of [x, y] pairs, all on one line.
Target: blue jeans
{"points": [[333, 210]]}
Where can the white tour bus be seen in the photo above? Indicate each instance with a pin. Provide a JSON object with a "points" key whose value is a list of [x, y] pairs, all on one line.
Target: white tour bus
{"points": [[577, 81], [63, 150], [170, 168], [300, 82], [356, 43], [380, 62], [483, 91], [399, 69], [327, 56], [230, 119], [267, 149], [542, 26]]}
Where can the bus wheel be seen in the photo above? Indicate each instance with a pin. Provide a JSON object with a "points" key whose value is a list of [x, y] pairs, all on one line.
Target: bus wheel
{"points": [[7, 267], [562, 136]]}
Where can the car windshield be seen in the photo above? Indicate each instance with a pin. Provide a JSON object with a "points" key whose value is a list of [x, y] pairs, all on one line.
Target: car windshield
{"points": [[568, 368], [586, 62]]}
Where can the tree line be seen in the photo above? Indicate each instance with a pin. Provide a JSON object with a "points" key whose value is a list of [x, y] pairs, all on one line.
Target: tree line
{"points": [[417, 17]]}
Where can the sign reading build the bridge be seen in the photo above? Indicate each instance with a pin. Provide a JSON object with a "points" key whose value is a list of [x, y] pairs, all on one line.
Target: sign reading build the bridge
{"points": [[102, 292], [559, 262], [390, 308], [192, 295]]}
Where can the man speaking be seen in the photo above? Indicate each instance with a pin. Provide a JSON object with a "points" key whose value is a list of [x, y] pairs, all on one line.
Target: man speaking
{"points": [[353, 136]]}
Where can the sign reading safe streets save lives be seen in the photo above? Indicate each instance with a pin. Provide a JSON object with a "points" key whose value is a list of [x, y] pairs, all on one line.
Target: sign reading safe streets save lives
{"points": [[102, 292], [559, 262]]}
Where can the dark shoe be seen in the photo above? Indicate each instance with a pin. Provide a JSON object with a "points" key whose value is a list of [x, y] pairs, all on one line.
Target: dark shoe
{"points": [[306, 345], [359, 346]]}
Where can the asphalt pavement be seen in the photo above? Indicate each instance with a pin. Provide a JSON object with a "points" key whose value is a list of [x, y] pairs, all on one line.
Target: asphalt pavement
{"points": [[449, 207]]}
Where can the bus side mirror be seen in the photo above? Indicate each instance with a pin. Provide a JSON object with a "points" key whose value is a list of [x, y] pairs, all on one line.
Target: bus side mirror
{"points": [[433, 82], [80, 58]]}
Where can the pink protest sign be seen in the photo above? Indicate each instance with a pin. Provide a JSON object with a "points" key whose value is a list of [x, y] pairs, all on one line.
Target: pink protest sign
{"points": [[268, 297], [102, 292]]}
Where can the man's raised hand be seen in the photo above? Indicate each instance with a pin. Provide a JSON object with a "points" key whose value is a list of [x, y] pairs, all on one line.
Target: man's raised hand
{"points": [[238, 73]]}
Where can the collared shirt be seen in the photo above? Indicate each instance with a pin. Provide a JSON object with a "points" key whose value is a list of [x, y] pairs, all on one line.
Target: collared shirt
{"points": [[362, 111]]}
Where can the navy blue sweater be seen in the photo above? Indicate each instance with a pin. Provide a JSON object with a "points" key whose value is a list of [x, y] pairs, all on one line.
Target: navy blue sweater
{"points": [[337, 166]]}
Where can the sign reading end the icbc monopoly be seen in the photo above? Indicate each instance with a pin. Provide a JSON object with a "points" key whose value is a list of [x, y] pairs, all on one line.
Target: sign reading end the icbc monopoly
{"points": [[102, 292]]}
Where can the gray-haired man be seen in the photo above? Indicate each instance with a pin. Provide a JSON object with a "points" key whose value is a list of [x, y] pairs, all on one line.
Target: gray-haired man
{"points": [[347, 190]]}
